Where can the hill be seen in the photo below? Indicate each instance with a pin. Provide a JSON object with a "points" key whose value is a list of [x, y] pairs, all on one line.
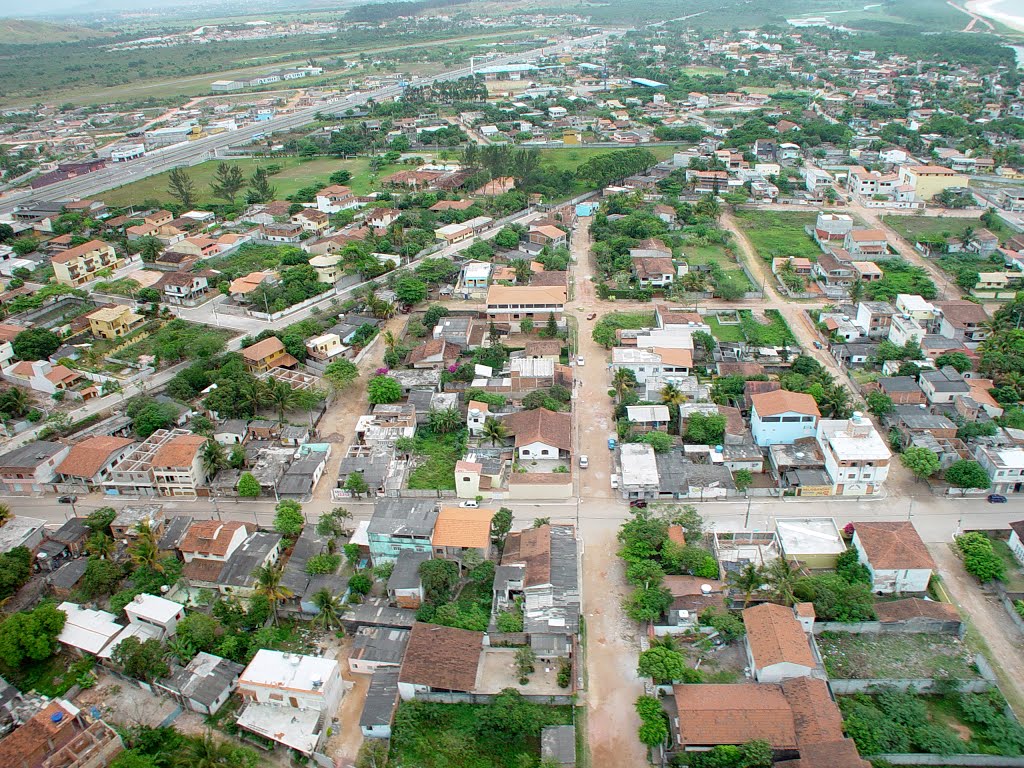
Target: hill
{"points": [[23, 32]]}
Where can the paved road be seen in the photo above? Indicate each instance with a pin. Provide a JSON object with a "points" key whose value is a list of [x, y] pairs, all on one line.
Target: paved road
{"points": [[193, 152]]}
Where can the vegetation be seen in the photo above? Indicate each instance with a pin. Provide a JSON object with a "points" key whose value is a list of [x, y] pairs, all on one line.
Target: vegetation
{"points": [[980, 559]]}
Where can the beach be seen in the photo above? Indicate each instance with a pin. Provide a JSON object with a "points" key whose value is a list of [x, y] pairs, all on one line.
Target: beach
{"points": [[1004, 11]]}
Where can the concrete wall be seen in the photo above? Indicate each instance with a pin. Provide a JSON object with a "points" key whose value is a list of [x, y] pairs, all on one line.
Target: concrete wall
{"points": [[921, 685], [913, 627], [488, 698], [966, 760]]}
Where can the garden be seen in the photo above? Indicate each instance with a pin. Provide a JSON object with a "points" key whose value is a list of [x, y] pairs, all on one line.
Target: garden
{"points": [[178, 340], [773, 334], [776, 234], [435, 455]]}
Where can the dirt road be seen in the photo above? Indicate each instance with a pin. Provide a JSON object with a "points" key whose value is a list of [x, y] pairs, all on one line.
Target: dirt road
{"points": [[989, 618]]}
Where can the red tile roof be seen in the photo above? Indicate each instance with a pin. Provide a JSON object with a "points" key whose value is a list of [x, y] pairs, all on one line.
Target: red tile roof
{"points": [[893, 546], [445, 658], [87, 457], [776, 637]]}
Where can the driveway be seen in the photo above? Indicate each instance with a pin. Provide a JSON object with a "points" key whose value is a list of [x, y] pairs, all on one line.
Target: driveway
{"points": [[988, 617]]}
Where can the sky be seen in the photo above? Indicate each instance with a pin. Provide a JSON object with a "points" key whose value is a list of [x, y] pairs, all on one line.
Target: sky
{"points": [[20, 8]]}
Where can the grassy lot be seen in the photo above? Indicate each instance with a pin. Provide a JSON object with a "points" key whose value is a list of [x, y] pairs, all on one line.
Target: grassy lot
{"points": [[571, 158], [776, 234], [438, 454], [861, 657], [1014, 573], [715, 254], [912, 228], [429, 735], [725, 332], [52, 677], [775, 334], [295, 174], [178, 340]]}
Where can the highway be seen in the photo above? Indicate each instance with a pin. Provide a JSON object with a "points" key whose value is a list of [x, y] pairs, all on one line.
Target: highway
{"points": [[205, 148]]}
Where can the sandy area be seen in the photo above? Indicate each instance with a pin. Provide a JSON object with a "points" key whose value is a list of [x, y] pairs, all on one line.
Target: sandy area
{"points": [[990, 10]]}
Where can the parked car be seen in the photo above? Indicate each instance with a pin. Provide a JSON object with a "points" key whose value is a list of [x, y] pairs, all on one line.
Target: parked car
{"points": [[638, 504], [584, 461], [615, 482], [67, 499], [612, 442], [469, 505], [817, 344], [996, 498], [579, 360], [592, 315]]}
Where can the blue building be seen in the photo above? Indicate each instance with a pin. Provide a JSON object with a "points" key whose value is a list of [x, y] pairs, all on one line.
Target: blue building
{"points": [[783, 417]]}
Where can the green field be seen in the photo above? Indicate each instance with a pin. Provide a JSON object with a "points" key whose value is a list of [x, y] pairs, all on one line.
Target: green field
{"points": [[295, 174], [715, 254], [912, 228], [779, 234], [721, 332], [571, 158]]}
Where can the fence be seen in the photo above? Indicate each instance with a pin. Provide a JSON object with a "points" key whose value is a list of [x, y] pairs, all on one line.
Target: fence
{"points": [[426, 493], [921, 685], [562, 699], [996, 761], [499, 639], [910, 627], [1007, 599]]}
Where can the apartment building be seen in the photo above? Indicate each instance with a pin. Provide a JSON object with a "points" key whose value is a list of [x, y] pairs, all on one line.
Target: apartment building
{"points": [[136, 473], [856, 457], [178, 466], [931, 180], [1005, 467], [511, 304], [113, 322], [77, 266]]}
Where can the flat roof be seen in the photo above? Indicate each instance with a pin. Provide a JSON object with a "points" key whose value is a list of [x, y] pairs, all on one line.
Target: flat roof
{"points": [[154, 608], [809, 535], [639, 466], [288, 670], [295, 728]]}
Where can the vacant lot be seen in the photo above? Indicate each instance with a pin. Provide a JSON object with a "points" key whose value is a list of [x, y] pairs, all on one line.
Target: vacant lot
{"points": [[295, 174], [571, 158], [724, 332], [893, 657], [779, 234], [715, 254], [913, 228]]}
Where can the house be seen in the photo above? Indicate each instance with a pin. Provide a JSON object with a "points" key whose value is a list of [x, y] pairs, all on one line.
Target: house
{"points": [[653, 272], [400, 524], [874, 318], [42, 376], [903, 390], [813, 542], [335, 198], [155, 612], [404, 587], [539, 566], [282, 233], [213, 539], [543, 349], [930, 180], [454, 233], [435, 353], [943, 385], [639, 477], [88, 631], [380, 704], [670, 364], [1016, 540], [269, 353], [777, 646], [59, 735], [374, 648], [21, 531], [856, 457], [290, 698], [31, 468], [460, 530], [184, 288], [241, 287], [1005, 467], [440, 659], [204, 685], [71, 536], [547, 234], [540, 433], [77, 266], [177, 466], [510, 304], [866, 244], [895, 555], [231, 432], [647, 418], [87, 465], [311, 220], [113, 322], [782, 417], [964, 321], [236, 577], [132, 518]]}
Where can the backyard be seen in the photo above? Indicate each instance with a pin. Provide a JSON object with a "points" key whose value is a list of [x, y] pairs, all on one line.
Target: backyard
{"points": [[295, 174], [772, 332], [779, 234], [721, 332], [435, 458], [500, 735], [850, 656]]}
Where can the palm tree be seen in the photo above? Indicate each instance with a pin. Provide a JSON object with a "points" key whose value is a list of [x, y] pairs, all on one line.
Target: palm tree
{"points": [[268, 584], [747, 580], [253, 393], [494, 430], [181, 649], [671, 395], [782, 577], [5, 514], [144, 551], [623, 381], [214, 457], [17, 401], [856, 291], [444, 420], [328, 609], [205, 752], [283, 397], [100, 545], [390, 340]]}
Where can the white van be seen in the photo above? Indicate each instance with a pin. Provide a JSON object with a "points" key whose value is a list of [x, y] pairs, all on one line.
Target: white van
{"points": [[615, 481]]}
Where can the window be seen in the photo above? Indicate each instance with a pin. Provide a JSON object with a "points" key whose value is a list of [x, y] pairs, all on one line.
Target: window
{"points": [[791, 419], [544, 452], [771, 419]]}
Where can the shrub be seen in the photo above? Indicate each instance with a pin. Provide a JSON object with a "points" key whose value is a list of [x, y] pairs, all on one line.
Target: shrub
{"points": [[323, 564]]}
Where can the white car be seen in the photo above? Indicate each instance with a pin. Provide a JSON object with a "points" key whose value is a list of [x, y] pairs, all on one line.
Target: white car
{"points": [[584, 461], [615, 482], [579, 360], [469, 505]]}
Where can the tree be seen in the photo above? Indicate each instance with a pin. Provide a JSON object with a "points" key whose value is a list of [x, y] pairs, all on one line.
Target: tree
{"points": [[268, 584], [227, 182], [31, 635], [647, 603], [965, 474], [288, 520], [879, 403], [383, 390], [494, 430], [35, 344], [237, 458], [443, 421], [150, 249], [747, 580], [260, 188], [373, 754], [334, 523], [551, 328], [145, 551], [507, 238], [501, 524], [199, 631], [283, 397], [705, 429], [15, 570], [207, 752], [142, 660], [653, 722], [525, 660], [410, 290], [328, 608], [743, 478], [215, 458], [661, 442], [181, 187], [782, 578], [662, 664], [356, 484], [101, 577], [958, 360], [248, 486], [980, 559], [921, 461], [439, 578], [341, 373]]}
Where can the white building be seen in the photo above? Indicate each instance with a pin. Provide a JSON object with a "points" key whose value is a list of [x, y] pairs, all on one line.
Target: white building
{"points": [[856, 457], [895, 555], [655, 362], [905, 328], [157, 612], [1005, 467]]}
